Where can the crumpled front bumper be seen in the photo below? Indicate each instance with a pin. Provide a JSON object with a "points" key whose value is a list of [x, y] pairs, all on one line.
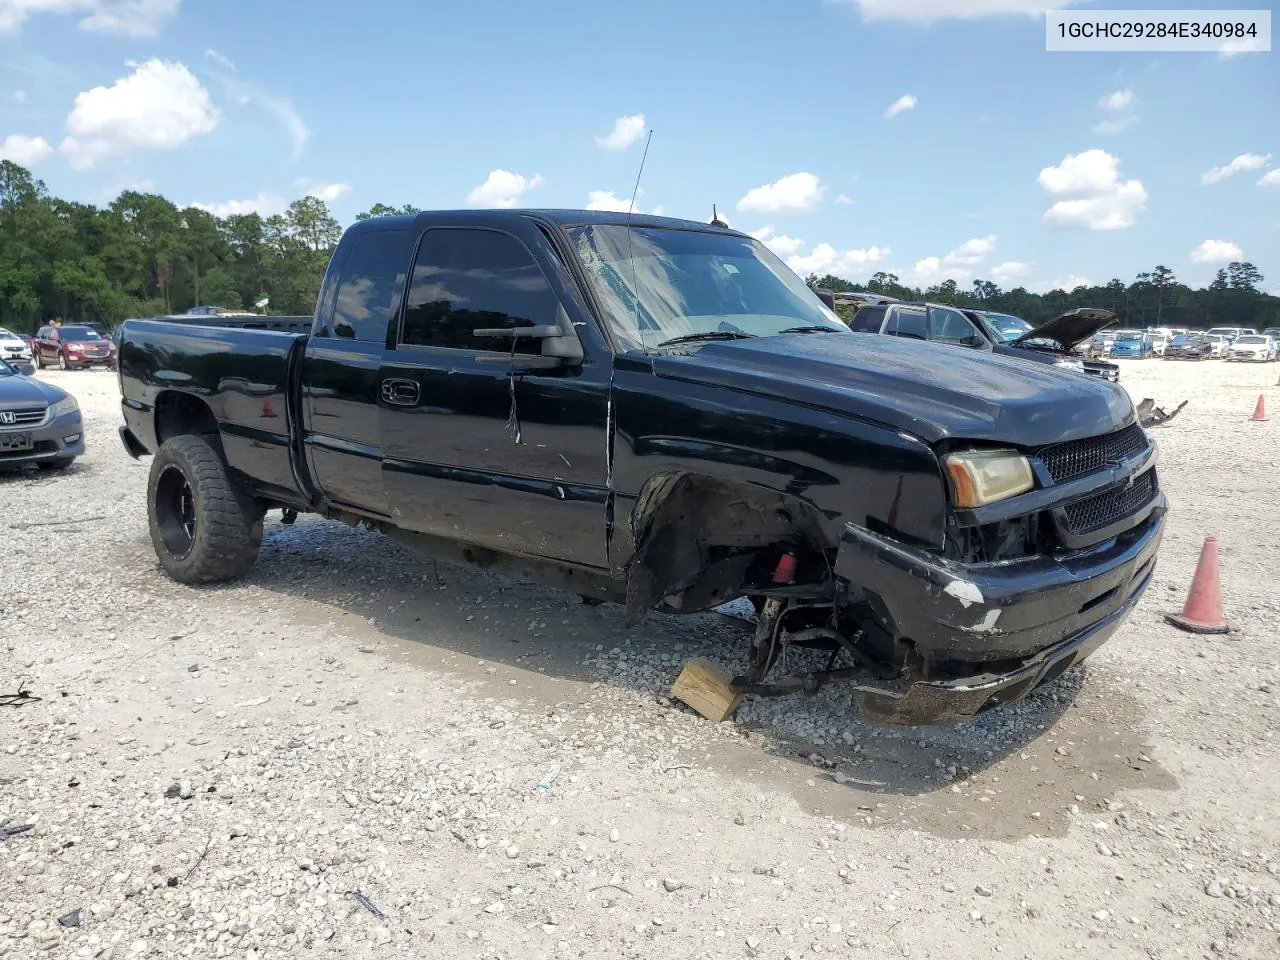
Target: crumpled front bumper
{"points": [[991, 632]]}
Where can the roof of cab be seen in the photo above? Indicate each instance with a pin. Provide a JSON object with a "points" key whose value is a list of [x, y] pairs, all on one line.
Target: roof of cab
{"points": [[562, 218]]}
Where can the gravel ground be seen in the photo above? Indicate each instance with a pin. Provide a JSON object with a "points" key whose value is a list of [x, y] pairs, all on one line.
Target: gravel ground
{"points": [[356, 753]]}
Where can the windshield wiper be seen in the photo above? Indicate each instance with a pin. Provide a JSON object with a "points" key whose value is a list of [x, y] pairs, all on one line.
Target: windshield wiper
{"points": [[815, 328], [708, 335]]}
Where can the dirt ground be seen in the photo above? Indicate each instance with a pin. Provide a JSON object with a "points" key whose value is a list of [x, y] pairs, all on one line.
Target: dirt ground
{"points": [[358, 753]]}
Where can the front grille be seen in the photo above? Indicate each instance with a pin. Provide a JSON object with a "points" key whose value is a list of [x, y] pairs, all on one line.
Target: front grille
{"points": [[1076, 458], [25, 417], [1110, 505]]}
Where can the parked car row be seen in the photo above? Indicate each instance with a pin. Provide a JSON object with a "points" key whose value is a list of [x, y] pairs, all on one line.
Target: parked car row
{"points": [[999, 333], [1175, 344]]}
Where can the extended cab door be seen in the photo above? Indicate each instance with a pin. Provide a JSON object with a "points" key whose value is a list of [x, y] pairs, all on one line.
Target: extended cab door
{"points": [[487, 439], [341, 368]]}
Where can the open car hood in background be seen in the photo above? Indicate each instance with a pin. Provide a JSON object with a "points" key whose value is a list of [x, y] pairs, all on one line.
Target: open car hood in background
{"points": [[1070, 329]]}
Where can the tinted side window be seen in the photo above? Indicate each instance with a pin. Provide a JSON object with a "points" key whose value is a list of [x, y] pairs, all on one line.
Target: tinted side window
{"points": [[366, 293], [867, 320], [951, 326], [467, 280], [909, 322]]}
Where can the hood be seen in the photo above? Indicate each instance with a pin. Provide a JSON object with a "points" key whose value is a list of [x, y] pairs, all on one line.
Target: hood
{"points": [[13, 341], [931, 391], [1071, 328], [27, 391]]}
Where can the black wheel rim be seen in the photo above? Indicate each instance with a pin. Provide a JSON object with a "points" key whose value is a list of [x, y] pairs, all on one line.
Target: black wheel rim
{"points": [[176, 512]]}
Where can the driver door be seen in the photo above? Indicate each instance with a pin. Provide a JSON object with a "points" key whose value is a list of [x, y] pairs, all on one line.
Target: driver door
{"points": [[487, 439]]}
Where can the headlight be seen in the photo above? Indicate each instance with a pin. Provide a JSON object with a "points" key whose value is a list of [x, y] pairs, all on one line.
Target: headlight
{"points": [[64, 406], [979, 477], [1067, 364]]}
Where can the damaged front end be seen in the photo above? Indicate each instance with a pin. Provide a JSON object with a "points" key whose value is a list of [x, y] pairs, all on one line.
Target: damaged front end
{"points": [[1023, 590]]}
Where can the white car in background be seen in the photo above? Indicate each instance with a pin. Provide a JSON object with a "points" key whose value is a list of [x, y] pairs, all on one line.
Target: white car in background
{"points": [[1252, 347], [14, 351], [1220, 343]]}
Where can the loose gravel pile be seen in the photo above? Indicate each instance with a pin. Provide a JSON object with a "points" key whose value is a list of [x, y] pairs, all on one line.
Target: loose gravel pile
{"points": [[359, 753]]}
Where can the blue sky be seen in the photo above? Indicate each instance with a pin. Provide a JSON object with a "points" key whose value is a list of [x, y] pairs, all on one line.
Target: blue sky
{"points": [[1001, 161]]}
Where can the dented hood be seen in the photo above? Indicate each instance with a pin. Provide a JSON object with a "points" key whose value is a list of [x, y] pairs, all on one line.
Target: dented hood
{"points": [[1070, 329], [931, 391]]}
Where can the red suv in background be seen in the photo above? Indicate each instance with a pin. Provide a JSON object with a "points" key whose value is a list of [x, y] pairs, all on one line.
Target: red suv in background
{"points": [[72, 346]]}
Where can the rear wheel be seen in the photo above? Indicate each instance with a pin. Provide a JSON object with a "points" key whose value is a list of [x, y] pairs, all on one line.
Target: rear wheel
{"points": [[204, 527]]}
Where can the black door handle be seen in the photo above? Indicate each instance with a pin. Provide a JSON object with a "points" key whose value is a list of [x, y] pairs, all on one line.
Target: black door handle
{"points": [[401, 393]]}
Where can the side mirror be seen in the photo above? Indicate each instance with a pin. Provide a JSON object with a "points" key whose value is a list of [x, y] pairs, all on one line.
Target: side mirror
{"points": [[560, 343]]}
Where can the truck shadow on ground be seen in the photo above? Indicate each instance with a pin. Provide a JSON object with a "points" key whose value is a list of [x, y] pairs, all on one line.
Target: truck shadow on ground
{"points": [[1014, 771]]}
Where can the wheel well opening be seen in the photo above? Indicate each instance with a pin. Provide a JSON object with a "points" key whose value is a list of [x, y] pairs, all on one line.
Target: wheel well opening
{"points": [[702, 541], [179, 414]]}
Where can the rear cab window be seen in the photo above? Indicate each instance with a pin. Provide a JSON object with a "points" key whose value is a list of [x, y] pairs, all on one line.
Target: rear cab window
{"points": [[370, 287]]}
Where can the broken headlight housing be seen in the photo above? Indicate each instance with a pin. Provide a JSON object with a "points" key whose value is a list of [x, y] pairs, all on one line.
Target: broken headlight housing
{"points": [[979, 477]]}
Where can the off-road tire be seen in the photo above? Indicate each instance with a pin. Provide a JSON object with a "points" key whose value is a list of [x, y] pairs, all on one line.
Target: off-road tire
{"points": [[225, 529]]}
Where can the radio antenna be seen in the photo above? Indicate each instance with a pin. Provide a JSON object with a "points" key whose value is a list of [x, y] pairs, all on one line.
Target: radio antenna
{"points": [[635, 287]]}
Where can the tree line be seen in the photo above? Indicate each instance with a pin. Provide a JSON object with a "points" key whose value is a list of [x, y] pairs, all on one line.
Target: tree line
{"points": [[142, 255], [1154, 299]]}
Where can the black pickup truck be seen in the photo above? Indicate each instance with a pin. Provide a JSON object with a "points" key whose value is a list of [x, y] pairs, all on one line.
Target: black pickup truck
{"points": [[658, 413]]}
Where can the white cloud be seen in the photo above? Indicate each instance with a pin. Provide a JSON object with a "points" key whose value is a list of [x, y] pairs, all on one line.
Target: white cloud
{"points": [[1093, 195], [1217, 251], [1010, 270], [502, 188], [625, 132], [1233, 48], [223, 61], [160, 106], [608, 200], [23, 150], [1246, 161], [971, 252], [845, 198], [328, 192], [779, 243], [790, 194], [924, 271], [1270, 179], [130, 18], [1068, 283], [825, 258], [266, 204], [1114, 125], [1117, 100], [931, 11], [904, 102], [246, 94]]}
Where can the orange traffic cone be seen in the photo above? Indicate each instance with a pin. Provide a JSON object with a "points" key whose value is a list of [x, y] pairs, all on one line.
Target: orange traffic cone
{"points": [[1260, 410], [1202, 613]]}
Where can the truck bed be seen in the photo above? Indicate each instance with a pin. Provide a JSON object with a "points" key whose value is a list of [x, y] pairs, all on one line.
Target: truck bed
{"points": [[241, 380]]}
